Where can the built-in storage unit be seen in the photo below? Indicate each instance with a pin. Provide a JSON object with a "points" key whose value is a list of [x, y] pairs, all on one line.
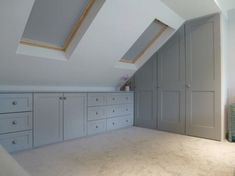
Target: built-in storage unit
{"points": [[60, 116], [108, 111], [16, 121], [179, 89]]}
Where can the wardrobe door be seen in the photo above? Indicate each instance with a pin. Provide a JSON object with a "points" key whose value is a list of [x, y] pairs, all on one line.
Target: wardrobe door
{"points": [[171, 84], [145, 96], [75, 110], [48, 118], [203, 94]]}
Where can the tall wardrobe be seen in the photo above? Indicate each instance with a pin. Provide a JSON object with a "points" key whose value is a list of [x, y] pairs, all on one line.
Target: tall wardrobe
{"points": [[179, 88]]}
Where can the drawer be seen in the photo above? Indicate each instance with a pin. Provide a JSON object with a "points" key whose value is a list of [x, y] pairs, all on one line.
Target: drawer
{"points": [[127, 109], [126, 121], [126, 98], [113, 123], [96, 99], [15, 122], [16, 141], [15, 103], [112, 111], [97, 126], [113, 98], [95, 113]]}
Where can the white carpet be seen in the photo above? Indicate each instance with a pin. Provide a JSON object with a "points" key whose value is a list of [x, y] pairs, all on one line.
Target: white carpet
{"points": [[132, 152]]}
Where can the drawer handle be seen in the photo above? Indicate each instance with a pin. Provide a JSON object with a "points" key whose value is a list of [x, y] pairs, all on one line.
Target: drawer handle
{"points": [[96, 126], [14, 122], [113, 123], [13, 142], [96, 113], [97, 99], [14, 103]]}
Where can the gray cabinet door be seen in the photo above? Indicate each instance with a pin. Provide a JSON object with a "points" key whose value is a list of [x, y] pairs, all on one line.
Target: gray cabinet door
{"points": [[171, 84], [145, 96], [48, 118], [75, 107], [203, 95]]}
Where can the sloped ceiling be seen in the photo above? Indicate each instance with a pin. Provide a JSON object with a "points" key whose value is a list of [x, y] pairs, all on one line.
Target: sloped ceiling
{"points": [[116, 27], [189, 9], [95, 60]]}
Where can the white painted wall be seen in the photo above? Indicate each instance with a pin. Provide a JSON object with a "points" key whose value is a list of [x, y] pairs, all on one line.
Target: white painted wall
{"points": [[231, 57], [116, 27], [224, 81]]}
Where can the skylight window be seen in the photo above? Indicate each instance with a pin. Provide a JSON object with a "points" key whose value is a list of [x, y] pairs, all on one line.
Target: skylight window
{"points": [[53, 24], [148, 37]]}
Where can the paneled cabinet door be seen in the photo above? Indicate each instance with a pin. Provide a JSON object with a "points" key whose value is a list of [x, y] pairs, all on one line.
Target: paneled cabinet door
{"points": [[203, 78], [145, 96], [171, 84], [74, 115], [48, 118]]}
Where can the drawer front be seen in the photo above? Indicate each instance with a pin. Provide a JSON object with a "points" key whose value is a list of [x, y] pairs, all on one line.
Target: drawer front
{"points": [[127, 109], [113, 123], [112, 111], [16, 141], [96, 99], [113, 98], [126, 98], [126, 121], [95, 127], [15, 122], [96, 113], [15, 103]]}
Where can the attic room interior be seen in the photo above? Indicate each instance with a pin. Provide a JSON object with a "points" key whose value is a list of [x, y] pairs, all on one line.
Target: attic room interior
{"points": [[117, 88]]}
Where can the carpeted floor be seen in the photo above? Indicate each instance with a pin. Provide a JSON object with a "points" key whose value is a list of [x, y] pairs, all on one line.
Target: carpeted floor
{"points": [[132, 152]]}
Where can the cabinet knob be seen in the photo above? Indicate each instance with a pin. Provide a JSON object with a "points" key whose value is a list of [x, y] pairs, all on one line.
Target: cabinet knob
{"points": [[64, 98], [97, 99], [61, 98], [14, 103], [13, 122], [96, 113], [127, 120], [13, 142], [113, 110], [96, 126], [113, 99], [126, 98], [113, 123], [126, 109], [188, 85]]}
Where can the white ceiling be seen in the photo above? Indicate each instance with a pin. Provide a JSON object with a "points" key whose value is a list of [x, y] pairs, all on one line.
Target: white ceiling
{"points": [[93, 63], [228, 4], [189, 9]]}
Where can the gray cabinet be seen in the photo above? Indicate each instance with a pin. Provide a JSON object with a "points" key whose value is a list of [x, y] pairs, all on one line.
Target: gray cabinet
{"points": [[75, 109], [145, 95], [203, 77], [48, 118], [188, 82], [171, 84], [16, 121], [109, 111]]}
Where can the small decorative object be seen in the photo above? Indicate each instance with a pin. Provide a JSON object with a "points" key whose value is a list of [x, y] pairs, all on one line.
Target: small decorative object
{"points": [[127, 88], [125, 83]]}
